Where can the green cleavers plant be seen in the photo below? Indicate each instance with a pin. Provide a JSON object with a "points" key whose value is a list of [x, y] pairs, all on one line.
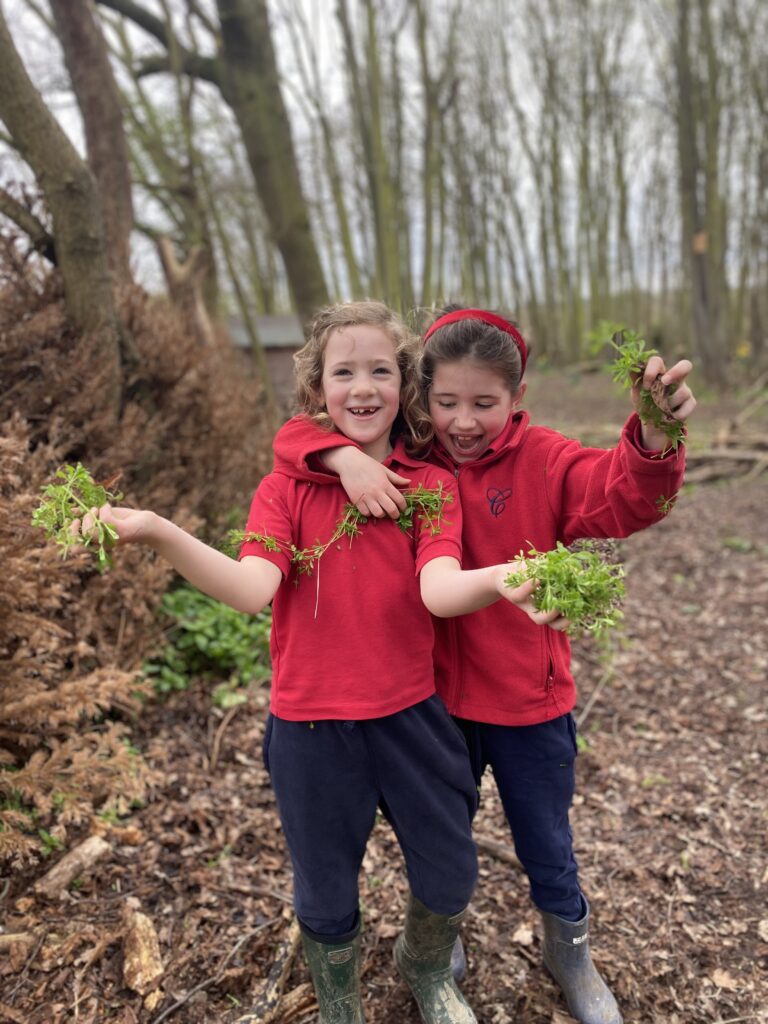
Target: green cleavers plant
{"points": [[63, 503], [426, 504], [627, 369], [578, 582]]}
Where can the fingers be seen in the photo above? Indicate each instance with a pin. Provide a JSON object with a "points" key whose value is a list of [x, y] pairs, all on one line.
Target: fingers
{"points": [[653, 368], [381, 504], [396, 479], [677, 373]]}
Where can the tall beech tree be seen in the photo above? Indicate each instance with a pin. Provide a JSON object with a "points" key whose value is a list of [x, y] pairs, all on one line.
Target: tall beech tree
{"points": [[72, 197], [87, 60], [244, 68]]}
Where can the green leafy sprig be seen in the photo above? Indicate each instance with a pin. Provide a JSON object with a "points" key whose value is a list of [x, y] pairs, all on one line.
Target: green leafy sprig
{"points": [[579, 583], [425, 504], [65, 502], [627, 370]]}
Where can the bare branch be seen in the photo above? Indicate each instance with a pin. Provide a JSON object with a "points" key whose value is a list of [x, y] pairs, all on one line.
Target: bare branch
{"points": [[41, 238], [193, 64]]}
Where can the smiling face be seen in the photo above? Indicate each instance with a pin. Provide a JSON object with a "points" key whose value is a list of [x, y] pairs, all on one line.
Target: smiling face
{"points": [[360, 386], [469, 405]]}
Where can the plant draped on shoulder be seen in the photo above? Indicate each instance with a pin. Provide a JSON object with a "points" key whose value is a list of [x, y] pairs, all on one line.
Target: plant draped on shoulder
{"points": [[63, 503], [425, 505], [627, 370]]}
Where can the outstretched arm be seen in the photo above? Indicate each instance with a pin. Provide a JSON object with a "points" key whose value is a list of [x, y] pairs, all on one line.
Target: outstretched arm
{"points": [[248, 585], [448, 590]]}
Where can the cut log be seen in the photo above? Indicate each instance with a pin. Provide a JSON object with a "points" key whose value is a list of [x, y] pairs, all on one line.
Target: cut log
{"points": [[73, 864]]}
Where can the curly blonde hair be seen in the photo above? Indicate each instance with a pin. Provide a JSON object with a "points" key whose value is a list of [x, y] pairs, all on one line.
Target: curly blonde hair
{"points": [[413, 419]]}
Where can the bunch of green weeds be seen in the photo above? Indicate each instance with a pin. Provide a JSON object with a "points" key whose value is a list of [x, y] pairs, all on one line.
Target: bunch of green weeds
{"points": [[423, 504], [627, 369], [63, 503], [578, 582]]}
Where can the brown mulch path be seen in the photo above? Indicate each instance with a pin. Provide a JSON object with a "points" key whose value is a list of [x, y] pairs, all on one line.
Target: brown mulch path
{"points": [[670, 827]]}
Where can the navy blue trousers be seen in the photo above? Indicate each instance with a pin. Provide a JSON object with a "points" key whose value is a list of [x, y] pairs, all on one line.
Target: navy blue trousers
{"points": [[534, 768], [330, 777]]}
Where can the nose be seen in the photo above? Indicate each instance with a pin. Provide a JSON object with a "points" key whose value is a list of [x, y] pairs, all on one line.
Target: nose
{"points": [[363, 385], [464, 418]]}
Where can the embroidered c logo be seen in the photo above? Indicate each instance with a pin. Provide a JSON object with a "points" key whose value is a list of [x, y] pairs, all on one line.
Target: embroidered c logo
{"points": [[497, 500]]}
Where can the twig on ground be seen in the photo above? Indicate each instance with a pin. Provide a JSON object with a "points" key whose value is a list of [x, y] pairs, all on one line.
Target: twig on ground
{"points": [[216, 746], [584, 713], [214, 977], [268, 1001]]}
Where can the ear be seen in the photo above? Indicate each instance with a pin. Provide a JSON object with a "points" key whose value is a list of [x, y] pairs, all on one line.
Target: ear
{"points": [[519, 396]]}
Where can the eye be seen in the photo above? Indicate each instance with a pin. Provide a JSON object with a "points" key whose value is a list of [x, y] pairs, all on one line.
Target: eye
{"points": [[383, 371], [445, 405], [485, 405], [342, 371]]}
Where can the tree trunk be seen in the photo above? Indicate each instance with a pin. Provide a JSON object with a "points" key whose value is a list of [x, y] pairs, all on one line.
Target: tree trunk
{"points": [[250, 84], [72, 197], [85, 54]]}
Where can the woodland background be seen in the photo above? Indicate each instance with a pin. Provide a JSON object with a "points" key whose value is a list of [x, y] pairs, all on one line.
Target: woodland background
{"points": [[166, 165]]}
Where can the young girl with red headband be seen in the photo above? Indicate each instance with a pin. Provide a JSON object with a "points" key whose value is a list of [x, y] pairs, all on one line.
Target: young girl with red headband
{"points": [[355, 722], [505, 680]]}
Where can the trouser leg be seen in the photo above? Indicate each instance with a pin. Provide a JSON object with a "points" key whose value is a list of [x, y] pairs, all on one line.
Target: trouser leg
{"points": [[534, 767]]}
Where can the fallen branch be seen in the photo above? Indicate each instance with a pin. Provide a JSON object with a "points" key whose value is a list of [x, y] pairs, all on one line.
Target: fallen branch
{"points": [[498, 850], [267, 1004], [73, 864]]}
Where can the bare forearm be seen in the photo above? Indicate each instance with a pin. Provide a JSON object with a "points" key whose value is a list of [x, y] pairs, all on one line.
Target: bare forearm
{"points": [[448, 590], [242, 585]]}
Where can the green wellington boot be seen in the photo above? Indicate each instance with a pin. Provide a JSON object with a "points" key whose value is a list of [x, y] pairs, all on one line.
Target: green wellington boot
{"points": [[568, 960], [335, 974], [423, 957]]}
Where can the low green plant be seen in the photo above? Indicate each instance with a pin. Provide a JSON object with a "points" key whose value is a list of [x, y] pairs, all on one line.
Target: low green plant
{"points": [[579, 583], [212, 640], [48, 843], [424, 504], [63, 503]]}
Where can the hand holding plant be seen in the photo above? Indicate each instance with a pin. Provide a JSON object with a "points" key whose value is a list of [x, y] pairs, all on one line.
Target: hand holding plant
{"points": [[579, 584], [63, 507], [661, 396]]}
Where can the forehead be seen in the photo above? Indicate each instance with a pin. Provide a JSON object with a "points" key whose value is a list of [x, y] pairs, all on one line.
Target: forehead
{"points": [[467, 377], [359, 342]]}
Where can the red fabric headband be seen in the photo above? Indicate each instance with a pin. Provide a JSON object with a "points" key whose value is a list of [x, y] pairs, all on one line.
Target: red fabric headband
{"points": [[486, 318]]}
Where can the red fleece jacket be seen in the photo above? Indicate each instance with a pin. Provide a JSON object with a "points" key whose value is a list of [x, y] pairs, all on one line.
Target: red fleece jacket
{"points": [[532, 488], [353, 640]]}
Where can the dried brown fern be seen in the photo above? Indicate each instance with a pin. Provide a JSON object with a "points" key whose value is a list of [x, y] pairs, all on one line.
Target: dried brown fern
{"points": [[192, 441]]}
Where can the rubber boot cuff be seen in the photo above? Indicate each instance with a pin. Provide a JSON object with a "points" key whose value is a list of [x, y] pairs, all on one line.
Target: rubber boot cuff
{"points": [[335, 971]]}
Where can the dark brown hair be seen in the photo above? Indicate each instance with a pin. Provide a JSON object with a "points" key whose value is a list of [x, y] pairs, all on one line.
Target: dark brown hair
{"points": [[479, 342]]}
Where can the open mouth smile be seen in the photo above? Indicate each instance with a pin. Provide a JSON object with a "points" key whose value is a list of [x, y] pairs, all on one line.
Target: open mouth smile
{"points": [[466, 442], [364, 412]]}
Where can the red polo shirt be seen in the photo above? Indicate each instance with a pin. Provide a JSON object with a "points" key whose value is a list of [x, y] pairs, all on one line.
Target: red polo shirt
{"points": [[352, 640]]}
